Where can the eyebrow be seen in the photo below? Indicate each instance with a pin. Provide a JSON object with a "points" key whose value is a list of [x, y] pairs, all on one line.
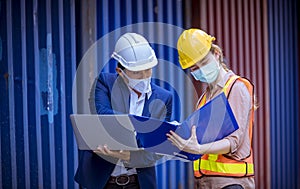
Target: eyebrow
{"points": [[194, 67], [206, 58]]}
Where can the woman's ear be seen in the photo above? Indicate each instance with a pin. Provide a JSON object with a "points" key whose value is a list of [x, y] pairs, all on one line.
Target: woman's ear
{"points": [[217, 55]]}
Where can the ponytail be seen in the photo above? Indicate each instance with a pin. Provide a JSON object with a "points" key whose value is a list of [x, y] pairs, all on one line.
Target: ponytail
{"points": [[216, 50]]}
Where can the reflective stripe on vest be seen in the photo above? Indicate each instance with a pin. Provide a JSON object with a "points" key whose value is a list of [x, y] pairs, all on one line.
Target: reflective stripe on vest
{"points": [[218, 164]]}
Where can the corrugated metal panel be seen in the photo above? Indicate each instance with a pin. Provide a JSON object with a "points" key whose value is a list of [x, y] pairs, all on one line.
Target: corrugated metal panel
{"points": [[38, 64], [40, 49], [240, 28], [284, 85]]}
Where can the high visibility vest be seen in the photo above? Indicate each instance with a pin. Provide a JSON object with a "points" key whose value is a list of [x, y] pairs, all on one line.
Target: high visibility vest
{"points": [[222, 165]]}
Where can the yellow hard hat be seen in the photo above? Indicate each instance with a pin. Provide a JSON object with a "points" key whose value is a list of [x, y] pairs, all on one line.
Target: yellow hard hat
{"points": [[193, 45]]}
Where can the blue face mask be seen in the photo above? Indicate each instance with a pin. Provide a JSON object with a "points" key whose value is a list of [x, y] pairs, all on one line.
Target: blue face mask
{"points": [[207, 73]]}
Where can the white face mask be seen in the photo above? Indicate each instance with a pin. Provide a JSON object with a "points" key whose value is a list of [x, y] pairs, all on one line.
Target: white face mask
{"points": [[140, 85], [207, 73]]}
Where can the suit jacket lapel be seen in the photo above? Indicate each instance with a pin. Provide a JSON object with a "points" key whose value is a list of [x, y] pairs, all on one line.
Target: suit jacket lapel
{"points": [[146, 110], [121, 96]]}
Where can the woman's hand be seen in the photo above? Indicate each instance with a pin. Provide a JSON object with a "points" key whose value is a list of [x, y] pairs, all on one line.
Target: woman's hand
{"points": [[190, 145], [120, 154]]}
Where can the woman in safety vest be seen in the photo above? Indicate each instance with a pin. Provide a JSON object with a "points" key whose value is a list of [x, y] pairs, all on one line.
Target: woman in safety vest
{"points": [[226, 163]]}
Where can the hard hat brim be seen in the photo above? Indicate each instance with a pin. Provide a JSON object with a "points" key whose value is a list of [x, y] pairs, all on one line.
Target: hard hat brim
{"points": [[140, 61], [141, 67]]}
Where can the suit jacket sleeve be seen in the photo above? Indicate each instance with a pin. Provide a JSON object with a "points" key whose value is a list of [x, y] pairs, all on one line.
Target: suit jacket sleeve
{"points": [[103, 104]]}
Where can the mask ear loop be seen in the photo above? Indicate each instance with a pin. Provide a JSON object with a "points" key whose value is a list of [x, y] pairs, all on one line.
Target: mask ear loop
{"points": [[216, 57], [124, 76]]}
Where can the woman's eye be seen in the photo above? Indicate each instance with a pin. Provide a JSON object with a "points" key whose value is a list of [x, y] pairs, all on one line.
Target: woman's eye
{"points": [[204, 63]]}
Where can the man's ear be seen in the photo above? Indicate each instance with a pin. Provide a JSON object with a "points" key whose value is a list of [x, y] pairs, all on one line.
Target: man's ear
{"points": [[118, 70]]}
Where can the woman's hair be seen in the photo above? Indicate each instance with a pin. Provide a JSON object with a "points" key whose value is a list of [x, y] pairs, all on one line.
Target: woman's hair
{"points": [[215, 49]]}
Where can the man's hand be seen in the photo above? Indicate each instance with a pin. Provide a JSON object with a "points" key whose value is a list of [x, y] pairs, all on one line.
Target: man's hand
{"points": [[120, 154], [190, 145]]}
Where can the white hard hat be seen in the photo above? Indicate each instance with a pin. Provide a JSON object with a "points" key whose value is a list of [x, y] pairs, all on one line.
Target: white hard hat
{"points": [[134, 52]]}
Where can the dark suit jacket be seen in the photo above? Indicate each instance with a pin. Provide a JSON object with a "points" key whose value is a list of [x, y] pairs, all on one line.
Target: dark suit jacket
{"points": [[111, 96]]}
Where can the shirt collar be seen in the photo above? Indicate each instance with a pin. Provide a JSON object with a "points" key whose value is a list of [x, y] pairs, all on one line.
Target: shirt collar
{"points": [[223, 81], [148, 94], [225, 78]]}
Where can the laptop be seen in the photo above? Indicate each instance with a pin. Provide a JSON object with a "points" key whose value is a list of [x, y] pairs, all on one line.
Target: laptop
{"points": [[115, 131]]}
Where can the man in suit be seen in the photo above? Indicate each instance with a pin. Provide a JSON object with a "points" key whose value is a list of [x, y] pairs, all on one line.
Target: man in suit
{"points": [[129, 91]]}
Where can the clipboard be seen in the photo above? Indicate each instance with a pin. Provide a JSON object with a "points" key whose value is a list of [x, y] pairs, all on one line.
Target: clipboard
{"points": [[214, 121]]}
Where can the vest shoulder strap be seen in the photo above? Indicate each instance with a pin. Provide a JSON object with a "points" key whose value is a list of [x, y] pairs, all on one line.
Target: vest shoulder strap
{"points": [[229, 83], [227, 88]]}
